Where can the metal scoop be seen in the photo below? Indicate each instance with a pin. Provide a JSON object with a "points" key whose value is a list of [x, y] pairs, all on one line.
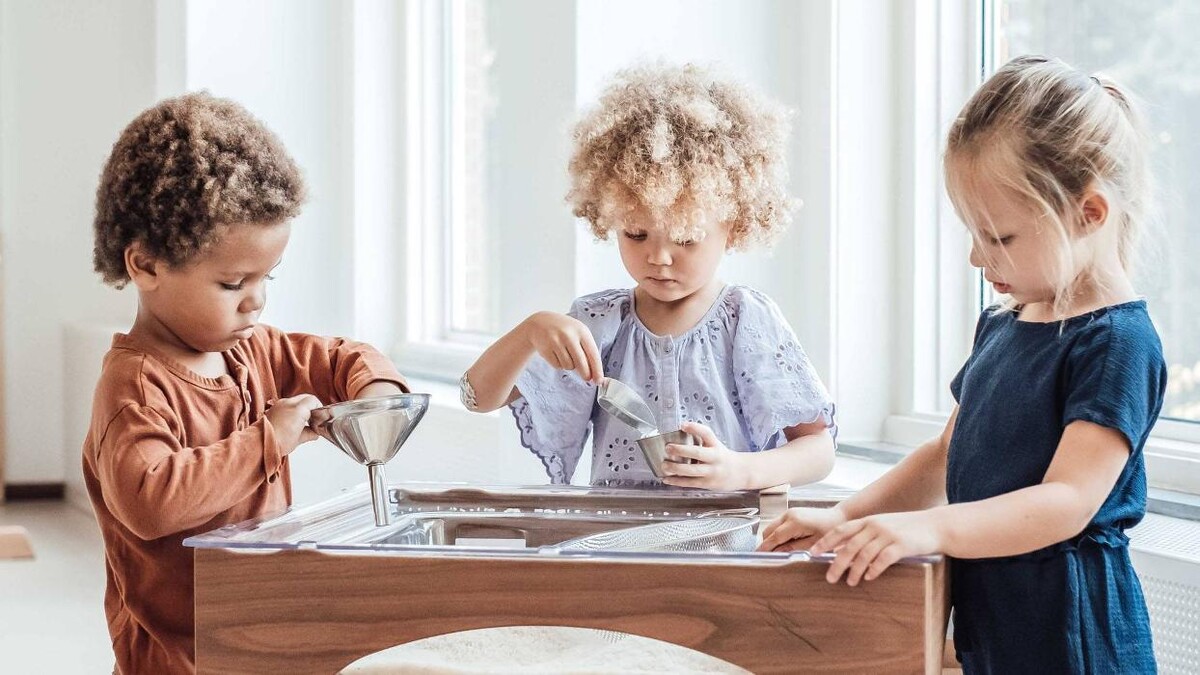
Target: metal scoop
{"points": [[370, 431], [622, 402]]}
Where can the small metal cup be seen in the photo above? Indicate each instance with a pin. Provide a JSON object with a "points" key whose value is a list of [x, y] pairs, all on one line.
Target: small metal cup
{"points": [[655, 449]]}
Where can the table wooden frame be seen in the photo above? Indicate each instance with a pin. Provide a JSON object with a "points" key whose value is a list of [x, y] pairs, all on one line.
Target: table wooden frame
{"points": [[309, 611]]}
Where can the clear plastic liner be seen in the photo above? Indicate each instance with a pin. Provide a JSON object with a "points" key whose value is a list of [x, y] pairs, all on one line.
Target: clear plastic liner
{"points": [[472, 520]]}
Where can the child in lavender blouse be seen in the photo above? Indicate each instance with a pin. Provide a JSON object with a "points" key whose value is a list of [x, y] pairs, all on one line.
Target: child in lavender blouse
{"points": [[681, 167]]}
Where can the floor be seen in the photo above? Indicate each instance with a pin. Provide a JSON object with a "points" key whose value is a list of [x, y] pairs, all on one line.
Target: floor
{"points": [[52, 607]]}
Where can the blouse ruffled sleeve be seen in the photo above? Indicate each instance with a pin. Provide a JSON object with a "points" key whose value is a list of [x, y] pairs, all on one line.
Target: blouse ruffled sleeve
{"points": [[776, 383], [554, 412]]}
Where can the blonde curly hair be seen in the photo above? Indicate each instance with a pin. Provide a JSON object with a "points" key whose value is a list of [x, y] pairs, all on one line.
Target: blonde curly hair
{"points": [[179, 172], [686, 147]]}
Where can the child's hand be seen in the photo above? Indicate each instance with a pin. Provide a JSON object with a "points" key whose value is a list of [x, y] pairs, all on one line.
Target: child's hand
{"points": [[290, 417], [798, 529], [717, 467], [868, 546], [565, 343]]}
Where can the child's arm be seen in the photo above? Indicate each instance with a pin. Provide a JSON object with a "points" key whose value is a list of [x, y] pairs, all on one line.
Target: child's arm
{"points": [[1086, 465], [774, 384], [916, 482], [332, 369], [381, 388], [157, 487], [565, 343], [807, 457]]}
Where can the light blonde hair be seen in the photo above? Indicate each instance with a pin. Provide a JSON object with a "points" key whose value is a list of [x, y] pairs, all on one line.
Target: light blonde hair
{"points": [[686, 147], [1051, 133]]}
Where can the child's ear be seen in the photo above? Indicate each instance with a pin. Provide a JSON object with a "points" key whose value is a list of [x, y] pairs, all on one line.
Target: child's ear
{"points": [[1094, 209], [143, 268]]}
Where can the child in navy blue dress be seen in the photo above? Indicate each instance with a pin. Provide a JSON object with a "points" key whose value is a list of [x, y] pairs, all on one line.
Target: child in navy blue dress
{"points": [[1039, 471]]}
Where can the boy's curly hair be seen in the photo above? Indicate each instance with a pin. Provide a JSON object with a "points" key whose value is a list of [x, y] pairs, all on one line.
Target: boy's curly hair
{"points": [[683, 145], [180, 171]]}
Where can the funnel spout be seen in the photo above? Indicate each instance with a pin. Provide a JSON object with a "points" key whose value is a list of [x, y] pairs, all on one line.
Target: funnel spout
{"points": [[379, 494]]}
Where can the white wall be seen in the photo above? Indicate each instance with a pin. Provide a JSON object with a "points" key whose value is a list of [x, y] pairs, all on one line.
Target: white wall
{"points": [[536, 48], [73, 74], [84, 346], [866, 217], [289, 63]]}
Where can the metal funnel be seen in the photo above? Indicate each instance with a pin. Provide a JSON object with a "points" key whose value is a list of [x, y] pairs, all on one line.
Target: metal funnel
{"points": [[370, 431]]}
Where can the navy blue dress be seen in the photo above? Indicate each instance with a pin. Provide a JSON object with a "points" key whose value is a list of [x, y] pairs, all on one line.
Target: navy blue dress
{"points": [[1076, 606]]}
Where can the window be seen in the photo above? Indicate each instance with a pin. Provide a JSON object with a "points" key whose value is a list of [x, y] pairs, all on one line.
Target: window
{"points": [[471, 309], [453, 107], [1149, 47], [483, 172]]}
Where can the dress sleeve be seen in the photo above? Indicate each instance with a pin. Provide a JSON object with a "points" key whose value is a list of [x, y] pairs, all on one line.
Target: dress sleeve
{"points": [[332, 369], [554, 412], [1116, 377], [777, 385], [157, 487], [957, 382]]}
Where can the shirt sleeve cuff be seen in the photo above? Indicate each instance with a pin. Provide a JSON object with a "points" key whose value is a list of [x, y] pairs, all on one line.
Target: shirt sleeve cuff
{"points": [[272, 457]]}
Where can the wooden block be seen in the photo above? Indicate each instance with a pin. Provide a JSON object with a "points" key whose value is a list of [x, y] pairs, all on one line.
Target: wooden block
{"points": [[773, 501], [950, 664], [14, 543]]}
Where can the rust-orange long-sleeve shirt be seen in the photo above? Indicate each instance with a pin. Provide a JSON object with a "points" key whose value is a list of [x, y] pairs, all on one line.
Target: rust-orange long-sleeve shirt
{"points": [[170, 454]]}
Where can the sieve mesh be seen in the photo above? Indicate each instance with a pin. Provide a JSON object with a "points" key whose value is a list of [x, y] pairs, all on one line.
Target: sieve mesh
{"points": [[697, 535]]}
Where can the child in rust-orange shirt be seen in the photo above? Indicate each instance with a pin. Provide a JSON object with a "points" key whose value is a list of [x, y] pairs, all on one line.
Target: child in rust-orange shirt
{"points": [[199, 405]]}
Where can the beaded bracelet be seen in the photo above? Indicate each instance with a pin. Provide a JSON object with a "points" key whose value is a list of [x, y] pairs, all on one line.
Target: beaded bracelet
{"points": [[466, 393]]}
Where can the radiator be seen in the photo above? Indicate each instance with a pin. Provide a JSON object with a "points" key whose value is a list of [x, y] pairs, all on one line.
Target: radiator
{"points": [[1166, 555], [84, 346]]}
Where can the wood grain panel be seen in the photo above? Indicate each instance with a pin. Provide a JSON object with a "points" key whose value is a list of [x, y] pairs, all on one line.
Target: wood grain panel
{"points": [[316, 612]]}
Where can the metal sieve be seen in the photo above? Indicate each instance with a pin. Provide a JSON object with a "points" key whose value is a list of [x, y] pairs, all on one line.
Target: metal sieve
{"points": [[719, 531]]}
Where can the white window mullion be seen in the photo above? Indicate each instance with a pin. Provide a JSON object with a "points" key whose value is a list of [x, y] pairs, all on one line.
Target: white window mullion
{"points": [[455, 170], [959, 73], [939, 301]]}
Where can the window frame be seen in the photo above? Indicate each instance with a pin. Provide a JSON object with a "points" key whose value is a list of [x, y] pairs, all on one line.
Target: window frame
{"points": [[427, 346], [945, 60], [424, 344]]}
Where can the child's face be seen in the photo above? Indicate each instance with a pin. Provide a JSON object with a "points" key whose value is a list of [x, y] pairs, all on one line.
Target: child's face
{"points": [[670, 270], [1015, 246], [212, 302]]}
